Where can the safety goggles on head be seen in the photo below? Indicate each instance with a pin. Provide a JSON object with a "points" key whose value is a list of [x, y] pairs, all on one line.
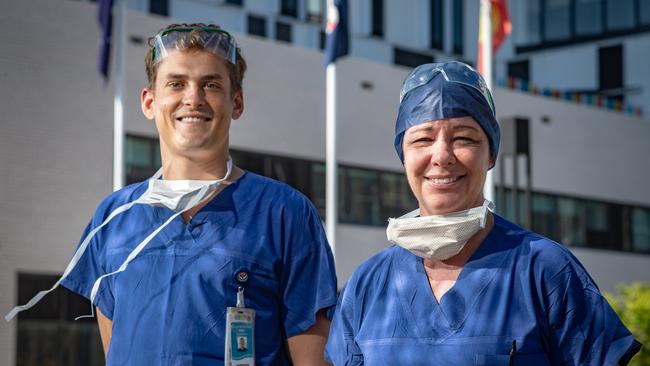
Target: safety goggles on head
{"points": [[452, 71], [214, 40]]}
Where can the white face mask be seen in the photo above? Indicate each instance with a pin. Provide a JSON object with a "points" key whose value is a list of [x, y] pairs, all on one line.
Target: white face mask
{"points": [[437, 236], [177, 195]]}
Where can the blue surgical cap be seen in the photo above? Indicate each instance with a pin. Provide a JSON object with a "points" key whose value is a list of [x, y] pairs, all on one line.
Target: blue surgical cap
{"points": [[446, 90]]}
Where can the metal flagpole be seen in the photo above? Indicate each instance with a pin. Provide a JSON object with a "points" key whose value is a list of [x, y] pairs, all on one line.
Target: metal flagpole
{"points": [[486, 48], [118, 105], [331, 191], [331, 167]]}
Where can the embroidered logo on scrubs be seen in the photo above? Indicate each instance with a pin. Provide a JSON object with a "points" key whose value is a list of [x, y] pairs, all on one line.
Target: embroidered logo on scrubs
{"points": [[241, 276]]}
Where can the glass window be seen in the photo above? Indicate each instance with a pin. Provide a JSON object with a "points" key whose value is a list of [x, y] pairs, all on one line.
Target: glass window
{"points": [[557, 20], [508, 208], [358, 196], [314, 10], [396, 196], [641, 230], [138, 151], [458, 26], [572, 222], [529, 32], [589, 17], [257, 26], [544, 220], [283, 32], [160, 7], [410, 59], [377, 18], [289, 7], [318, 187], [644, 12], [603, 226], [142, 158], [436, 23], [620, 14], [47, 334]]}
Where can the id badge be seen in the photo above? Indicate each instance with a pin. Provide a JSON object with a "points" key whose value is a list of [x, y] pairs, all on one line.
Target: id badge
{"points": [[240, 336]]}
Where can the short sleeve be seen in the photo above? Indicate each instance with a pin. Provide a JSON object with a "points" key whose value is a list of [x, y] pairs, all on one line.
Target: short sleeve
{"points": [[82, 277], [309, 277], [585, 330], [341, 348]]}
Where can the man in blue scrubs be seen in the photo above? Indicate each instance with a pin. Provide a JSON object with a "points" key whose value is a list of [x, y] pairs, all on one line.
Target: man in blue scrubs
{"points": [[174, 261], [463, 286]]}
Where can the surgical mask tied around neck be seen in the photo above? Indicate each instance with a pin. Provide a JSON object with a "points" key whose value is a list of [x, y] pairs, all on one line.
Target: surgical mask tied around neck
{"points": [[437, 236], [176, 195]]}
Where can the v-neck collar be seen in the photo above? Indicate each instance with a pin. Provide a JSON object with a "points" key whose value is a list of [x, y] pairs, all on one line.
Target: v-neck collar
{"points": [[433, 319], [163, 213]]}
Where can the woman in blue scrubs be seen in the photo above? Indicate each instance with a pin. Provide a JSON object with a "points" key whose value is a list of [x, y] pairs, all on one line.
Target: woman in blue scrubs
{"points": [[464, 286]]}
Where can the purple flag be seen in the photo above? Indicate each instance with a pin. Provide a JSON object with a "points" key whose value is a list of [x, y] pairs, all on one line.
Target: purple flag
{"points": [[105, 19]]}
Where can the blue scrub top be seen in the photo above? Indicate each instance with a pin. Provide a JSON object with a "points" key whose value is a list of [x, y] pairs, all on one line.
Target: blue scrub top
{"points": [[516, 286], [168, 307]]}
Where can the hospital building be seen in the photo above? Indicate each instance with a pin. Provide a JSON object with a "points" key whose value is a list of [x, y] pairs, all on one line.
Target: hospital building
{"points": [[571, 87]]}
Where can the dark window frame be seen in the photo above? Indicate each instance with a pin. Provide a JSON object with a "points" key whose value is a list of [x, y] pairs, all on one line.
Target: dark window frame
{"points": [[616, 238], [288, 11], [574, 38], [377, 22], [436, 19], [256, 25]]}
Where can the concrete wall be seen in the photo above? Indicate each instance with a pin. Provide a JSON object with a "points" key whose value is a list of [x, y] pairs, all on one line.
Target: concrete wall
{"points": [[56, 139]]}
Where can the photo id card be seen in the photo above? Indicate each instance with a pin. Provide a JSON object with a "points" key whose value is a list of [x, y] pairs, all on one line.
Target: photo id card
{"points": [[240, 337]]}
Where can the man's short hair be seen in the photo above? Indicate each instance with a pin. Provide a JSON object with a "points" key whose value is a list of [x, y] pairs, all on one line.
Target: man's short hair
{"points": [[235, 72]]}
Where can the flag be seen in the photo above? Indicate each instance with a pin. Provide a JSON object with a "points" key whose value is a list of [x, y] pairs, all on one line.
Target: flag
{"points": [[105, 19], [336, 44], [501, 27]]}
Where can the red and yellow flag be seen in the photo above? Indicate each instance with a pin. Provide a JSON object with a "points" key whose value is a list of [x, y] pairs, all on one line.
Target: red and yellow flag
{"points": [[501, 27]]}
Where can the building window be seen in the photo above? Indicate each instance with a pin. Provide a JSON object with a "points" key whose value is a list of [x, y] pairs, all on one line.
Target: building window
{"points": [[410, 59], [160, 7], [314, 11], [610, 71], [235, 2], [641, 230], [580, 222], [436, 24], [588, 17], [289, 8], [552, 23], [519, 70], [377, 18], [257, 26], [47, 334], [620, 14], [283, 32], [396, 197], [644, 12], [366, 196], [458, 27], [557, 20], [142, 158], [322, 38], [358, 196], [530, 31]]}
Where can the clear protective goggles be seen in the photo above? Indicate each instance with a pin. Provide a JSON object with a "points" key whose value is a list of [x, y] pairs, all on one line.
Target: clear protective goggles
{"points": [[452, 71], [214, 40]]}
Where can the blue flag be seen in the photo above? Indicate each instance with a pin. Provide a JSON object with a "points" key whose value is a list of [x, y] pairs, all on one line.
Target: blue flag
{"points": [[105, 19], [336, 44]]}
